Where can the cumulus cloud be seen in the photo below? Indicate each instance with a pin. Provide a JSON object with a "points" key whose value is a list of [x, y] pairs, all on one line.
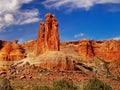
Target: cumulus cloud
{"points": [[78, 35], [11, 13], [8, 18], [86, 4]]}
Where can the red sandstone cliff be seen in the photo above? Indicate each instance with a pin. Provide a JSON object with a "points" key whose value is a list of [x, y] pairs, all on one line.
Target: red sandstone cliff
{"points": [[108, 50]]}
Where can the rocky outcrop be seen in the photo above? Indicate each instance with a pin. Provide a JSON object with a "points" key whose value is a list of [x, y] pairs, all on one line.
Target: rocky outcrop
{"points": [[114, 68], [17, 52], [11, 51], [86, 49], [56, 61], [48, 36], [108, 50], [30, 47]]}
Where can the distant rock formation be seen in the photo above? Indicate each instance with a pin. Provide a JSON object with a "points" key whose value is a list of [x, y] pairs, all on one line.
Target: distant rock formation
{"points": [[30, 48], [86, 48], [10, 51], [107, 50], [48, 36]]}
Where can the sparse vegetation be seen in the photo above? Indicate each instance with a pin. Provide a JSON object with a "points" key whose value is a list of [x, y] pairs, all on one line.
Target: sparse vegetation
{"points": [[64, 85], [118, 78], [58, 85], [44, 71], [41, 88], [5, 84], [96, 84]]}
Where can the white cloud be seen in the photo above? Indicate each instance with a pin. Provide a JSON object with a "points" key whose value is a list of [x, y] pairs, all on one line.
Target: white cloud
{"points": [[9, 18], [21, 40], [114, 9], [86, 4], [107, 1], [11, 13], [26, 17], [116, 38], [78, 35]]}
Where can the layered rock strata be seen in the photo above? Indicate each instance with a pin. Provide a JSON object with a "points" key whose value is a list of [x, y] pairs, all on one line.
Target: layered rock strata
{"points": [[107, 50]]}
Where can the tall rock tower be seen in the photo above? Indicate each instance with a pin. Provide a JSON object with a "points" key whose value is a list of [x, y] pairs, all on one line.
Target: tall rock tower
{"points": [[48, 36]]}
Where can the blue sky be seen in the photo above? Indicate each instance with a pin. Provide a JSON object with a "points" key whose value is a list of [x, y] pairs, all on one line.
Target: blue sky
{"points": [[91, 19]]}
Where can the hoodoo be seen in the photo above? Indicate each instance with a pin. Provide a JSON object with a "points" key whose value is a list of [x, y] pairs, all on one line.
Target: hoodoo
{"points": [[48, 36]]}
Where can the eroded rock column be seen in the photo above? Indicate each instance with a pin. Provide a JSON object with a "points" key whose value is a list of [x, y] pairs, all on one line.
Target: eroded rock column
{"points": [[48, 36]]}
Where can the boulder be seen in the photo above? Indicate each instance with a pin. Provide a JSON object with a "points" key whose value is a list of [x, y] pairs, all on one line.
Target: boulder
{"points": [[56, 60]]}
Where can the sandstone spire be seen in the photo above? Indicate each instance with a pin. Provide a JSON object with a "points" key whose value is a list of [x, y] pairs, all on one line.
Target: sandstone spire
{"points": [[48, 36]]}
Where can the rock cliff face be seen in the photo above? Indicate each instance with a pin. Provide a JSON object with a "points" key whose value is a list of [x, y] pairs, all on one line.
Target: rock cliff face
{"points": [[108, 50], [11, 51], [86, 49], [48, 36]]}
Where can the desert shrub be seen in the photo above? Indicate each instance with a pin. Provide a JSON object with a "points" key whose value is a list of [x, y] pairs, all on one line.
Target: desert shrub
{"points": [[96, 84], [63, 85], [18, 87], [5, 84], [41, 88], [57, 85], [118, 78]]}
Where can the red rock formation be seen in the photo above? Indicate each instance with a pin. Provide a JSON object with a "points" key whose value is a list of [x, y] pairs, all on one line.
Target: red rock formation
{"points": [[114, 67], [11, 51], [5, 51], [86, 49], [17, 52], [41, 45], [48, 36], [30, 47], [56, 61], [108, 50]]}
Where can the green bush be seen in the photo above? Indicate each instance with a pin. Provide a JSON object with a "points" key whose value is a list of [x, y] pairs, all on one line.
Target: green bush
{"points": [[5, 84], [96, 84], [41, 88], [63, 85]]}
